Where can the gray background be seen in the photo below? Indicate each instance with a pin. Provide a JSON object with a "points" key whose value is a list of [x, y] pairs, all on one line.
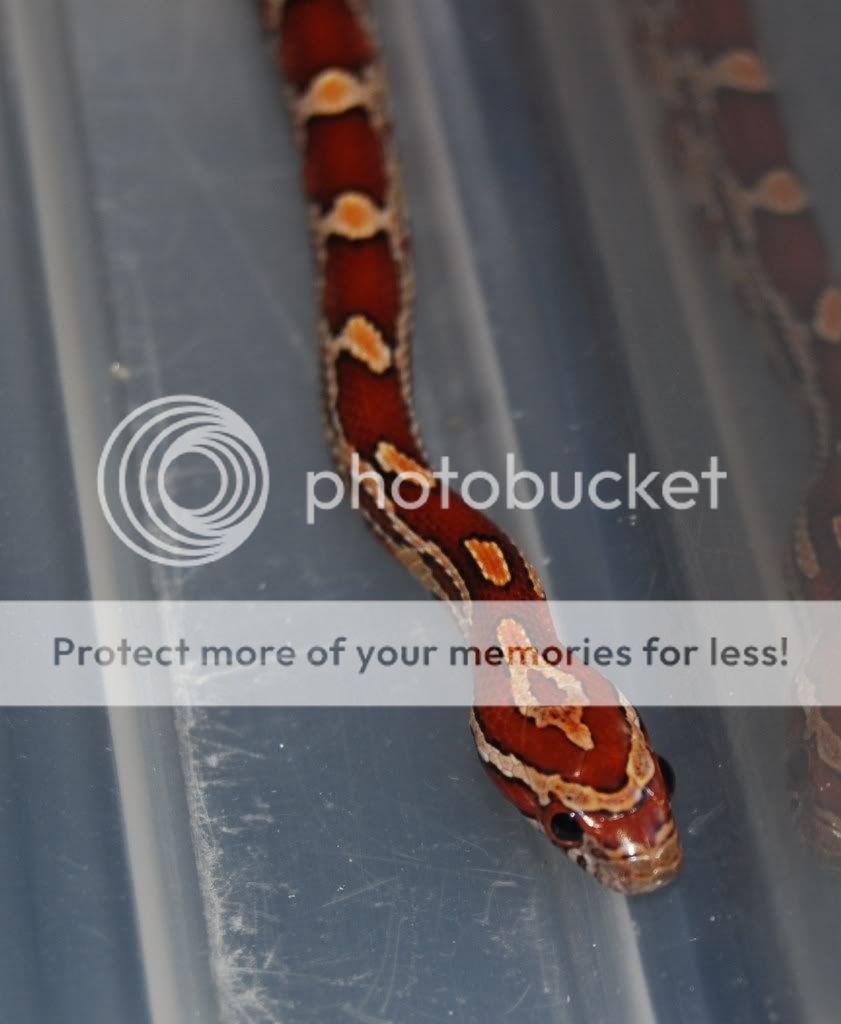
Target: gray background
{"points": [[269, 865]]}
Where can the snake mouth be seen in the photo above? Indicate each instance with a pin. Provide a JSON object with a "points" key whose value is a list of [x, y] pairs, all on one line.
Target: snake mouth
{"points": [[643, 872]]}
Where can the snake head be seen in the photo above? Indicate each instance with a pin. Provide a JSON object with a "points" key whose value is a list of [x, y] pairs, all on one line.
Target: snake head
{"points": [[633, 851], [606, 802]]}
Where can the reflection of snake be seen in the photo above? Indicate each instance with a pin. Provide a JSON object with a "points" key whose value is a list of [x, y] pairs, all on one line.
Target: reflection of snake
{"points": [[726, 130], [584, 774]]}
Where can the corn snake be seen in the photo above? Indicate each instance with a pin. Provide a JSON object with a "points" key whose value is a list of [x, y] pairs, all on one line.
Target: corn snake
{"points": [[586, 775], [725, 129]]}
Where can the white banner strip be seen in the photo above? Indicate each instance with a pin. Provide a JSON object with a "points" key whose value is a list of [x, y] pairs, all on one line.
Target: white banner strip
{"points": [[355, 654]]}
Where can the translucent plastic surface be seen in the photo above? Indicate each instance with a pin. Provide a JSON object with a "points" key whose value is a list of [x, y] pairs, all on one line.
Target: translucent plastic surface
{"points": [[355, 865]]}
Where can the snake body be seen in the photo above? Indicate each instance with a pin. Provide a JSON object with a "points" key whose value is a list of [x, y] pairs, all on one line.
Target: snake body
{"points": [[725, 127], [586, 775]]}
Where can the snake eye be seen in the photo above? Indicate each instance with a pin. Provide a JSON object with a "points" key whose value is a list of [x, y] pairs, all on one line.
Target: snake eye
{"points": [[566, 828], [668, 775]]}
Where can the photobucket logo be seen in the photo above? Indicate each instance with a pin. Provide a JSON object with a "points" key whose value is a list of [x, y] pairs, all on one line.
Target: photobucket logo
{"points": [[140, 462], [519, 489]]}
